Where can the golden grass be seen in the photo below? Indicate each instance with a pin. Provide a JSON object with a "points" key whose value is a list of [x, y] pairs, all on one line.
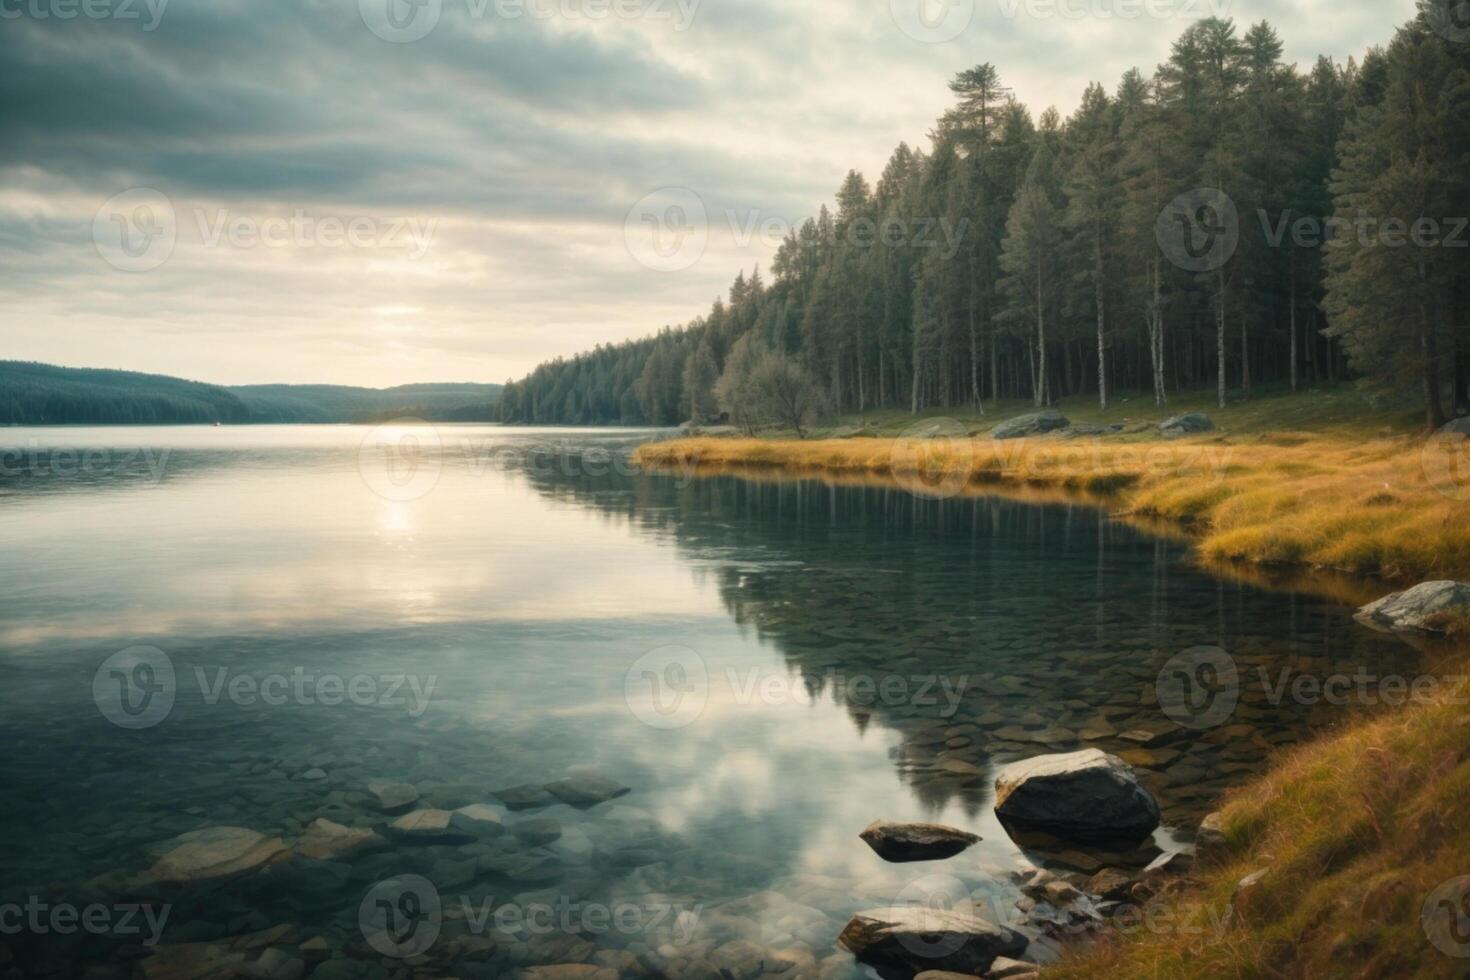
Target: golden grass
{"points": [[1359, 831], [1395, 507]]}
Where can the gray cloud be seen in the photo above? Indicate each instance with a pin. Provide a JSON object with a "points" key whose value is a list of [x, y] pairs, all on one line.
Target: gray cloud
{"points": [[525, 140]]}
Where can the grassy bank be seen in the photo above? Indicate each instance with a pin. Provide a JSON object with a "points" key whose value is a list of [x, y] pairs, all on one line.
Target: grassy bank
{"points": [[1357, 833], [1319, 480]]}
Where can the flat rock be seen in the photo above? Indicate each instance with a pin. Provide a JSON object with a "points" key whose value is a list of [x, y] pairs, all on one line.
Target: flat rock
{"points": [[1035, 424], [324, 840], [1085, 796], [536, 832], [393, 797], [586, 791], [1187, 424], [426, 825], [918, 938], [1005, 968], [1417, 610], [216, 853], [479, 819], [903, 842], [525, 797]]}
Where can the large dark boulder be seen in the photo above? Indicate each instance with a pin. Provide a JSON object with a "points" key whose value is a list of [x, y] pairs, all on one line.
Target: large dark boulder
{"points": [[918, 938], [901, 842], [1035, 424], [1088, 796], [1417, 610]]}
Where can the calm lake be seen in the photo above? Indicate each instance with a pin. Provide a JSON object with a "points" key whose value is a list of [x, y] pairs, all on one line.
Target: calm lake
{"points": [[246, 627]]}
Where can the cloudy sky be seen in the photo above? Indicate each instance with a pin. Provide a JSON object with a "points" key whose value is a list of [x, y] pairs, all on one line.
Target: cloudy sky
{"points": [[387, 191]]}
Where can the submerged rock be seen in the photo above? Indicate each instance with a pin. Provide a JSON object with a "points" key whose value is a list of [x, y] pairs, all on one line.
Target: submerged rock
{"points": [[918, 938], [902, 842], [1086, 796], [586, 791], [393, 797], [216, 853], [525, 797], [479, 819], [1418, 609], [1034, 424], [328, 841], [1187, 424], [426, 825]]}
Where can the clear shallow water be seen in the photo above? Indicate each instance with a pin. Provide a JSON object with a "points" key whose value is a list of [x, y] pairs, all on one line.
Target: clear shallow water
{"points": [[768, 667]]}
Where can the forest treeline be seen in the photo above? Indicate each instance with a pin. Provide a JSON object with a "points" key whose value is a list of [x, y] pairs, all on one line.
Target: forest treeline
{"points": [[1227, 221], [44, 394]]}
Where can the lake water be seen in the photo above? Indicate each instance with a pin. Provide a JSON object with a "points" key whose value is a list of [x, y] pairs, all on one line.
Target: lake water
{"points": [[245, 627]]}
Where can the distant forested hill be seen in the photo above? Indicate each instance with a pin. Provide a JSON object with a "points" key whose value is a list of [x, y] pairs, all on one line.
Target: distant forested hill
{"points": [[335, 403], [44, 394]]}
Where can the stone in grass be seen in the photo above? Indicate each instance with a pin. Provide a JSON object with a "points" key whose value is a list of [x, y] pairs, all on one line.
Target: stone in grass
{"points": [[1088, 796], [1005, 968], [1417, 610], [525, 797], [1034, 424], [1211, 839], [918, 938], [1187, 424], [586, 791], [393, 797], [325, 840], [903, 842], [216, 853]]}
